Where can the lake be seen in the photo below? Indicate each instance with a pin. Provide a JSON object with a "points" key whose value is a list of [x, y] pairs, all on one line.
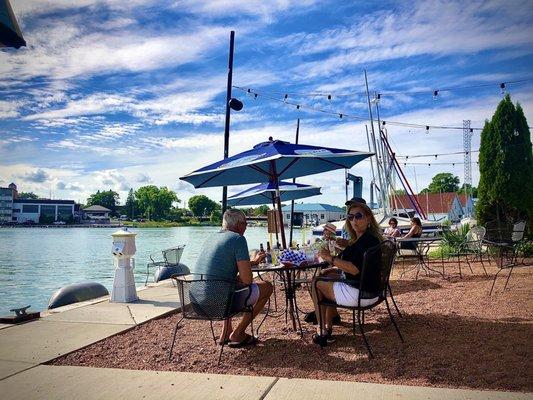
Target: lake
{"points": [[35, 262]]}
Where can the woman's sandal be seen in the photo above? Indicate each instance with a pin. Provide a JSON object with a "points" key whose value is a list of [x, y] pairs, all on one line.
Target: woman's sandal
{"points": [[248, 340]]}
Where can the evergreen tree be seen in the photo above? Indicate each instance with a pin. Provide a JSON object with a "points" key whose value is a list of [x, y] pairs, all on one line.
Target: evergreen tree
{"points": [[505, 166], [131, 206]]}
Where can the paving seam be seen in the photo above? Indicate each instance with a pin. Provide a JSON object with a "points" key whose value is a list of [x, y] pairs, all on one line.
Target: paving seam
{"points": [[131, 315], [18, 372], [268, 389], [83, 322]]}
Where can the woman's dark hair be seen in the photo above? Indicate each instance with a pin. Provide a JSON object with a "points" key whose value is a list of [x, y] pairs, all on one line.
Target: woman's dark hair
{"points": [[393, 220], [416, 220]]}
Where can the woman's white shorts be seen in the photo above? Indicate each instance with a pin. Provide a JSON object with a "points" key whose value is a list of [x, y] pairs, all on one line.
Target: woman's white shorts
{"points": [[346, 295]]}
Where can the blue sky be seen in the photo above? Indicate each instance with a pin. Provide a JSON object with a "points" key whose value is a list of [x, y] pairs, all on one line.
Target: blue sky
{"points": [[113, 94]]}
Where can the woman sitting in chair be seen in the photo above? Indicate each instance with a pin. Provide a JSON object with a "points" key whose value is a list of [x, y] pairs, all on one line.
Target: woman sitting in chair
{"points": [[415, 232], [365, 233]]}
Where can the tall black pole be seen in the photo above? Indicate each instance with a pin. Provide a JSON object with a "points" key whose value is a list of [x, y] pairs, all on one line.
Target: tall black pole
{"points": [[228, 109], [294, 181]]}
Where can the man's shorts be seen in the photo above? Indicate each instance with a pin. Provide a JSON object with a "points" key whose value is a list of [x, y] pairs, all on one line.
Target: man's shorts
{"points": [[240, 296]]}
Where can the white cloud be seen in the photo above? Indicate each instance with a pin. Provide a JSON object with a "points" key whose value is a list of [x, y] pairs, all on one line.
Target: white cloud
{"points": [[432, 27], [9, 109]]}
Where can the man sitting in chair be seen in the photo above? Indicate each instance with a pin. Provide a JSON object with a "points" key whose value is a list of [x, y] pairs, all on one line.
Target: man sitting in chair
{"points": [[225, 256]]}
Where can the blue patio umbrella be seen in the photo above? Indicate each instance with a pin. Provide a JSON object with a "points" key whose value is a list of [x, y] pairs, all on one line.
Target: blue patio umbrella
{"points": [[264, 193], [10, 34], [274, 160]]}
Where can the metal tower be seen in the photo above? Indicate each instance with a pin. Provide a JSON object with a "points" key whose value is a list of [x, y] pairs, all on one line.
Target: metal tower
{"points": [[467, 148]]}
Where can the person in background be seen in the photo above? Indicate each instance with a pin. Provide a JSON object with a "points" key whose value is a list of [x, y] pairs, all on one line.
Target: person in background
{"points": [[225, 256], [392, 231], [414, 233], [361, 225]]}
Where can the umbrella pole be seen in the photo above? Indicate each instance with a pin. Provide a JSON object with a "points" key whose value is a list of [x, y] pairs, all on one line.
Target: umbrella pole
{"points": [[293, 181], [275, 221]]}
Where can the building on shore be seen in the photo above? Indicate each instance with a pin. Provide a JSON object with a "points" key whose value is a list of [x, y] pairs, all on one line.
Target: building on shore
{"points": [[437, 206], [312, 214], [96, 214], [19, 211]]}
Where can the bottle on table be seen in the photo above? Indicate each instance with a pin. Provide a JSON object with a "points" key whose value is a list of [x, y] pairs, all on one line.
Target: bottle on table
{"points": [[268, 258], [261, 248]]}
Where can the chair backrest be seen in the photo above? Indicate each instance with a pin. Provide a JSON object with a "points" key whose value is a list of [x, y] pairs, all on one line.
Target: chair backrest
{"points": [[172, 256], [205, 298], [474, 237], [384, 254], [518, 231], [499, 231]]}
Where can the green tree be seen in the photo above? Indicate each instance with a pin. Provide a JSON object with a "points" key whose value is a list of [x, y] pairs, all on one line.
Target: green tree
{"points": [[107, 198], [505, 166], [202, 206], [261, 210], [215, 217], [131, 206], [466, 188], [27, 195], [443, 183], [155, 203]]}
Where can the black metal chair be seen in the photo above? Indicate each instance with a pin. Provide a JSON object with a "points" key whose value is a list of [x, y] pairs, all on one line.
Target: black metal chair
{"points": [[171, 257], [207, 298], [505, 240], [385, 254]]}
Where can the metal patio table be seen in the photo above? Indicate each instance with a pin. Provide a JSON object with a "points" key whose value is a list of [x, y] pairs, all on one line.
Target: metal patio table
{"points": [[421, 248], [287, 273]]}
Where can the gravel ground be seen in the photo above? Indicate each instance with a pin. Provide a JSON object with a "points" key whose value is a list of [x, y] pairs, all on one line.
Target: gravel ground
{"points": [[456, 335]]}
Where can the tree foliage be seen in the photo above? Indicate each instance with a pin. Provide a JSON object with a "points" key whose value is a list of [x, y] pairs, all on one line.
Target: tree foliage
{"points": [[131, 207], [106, 198], [155, 203], [202, 206], [466, 188], [261, 210], [27, 195], [505, 166], [443, 182]]}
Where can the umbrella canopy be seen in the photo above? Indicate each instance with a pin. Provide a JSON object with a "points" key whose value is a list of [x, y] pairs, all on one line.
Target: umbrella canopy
{"points": [[274, 160], [271, 161], [264, 193], [10, 34]]}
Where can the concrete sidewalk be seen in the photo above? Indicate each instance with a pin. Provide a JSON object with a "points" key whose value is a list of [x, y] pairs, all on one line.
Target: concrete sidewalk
{"points": [[23, 348], [69, 328], [61, 382]]}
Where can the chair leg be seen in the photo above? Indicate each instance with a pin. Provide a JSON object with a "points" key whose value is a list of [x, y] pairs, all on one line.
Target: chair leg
{"points": [[174, 339], [483, 264], [393, 320], [508, 276], [394, 302], [494, 281], [370, 355]]}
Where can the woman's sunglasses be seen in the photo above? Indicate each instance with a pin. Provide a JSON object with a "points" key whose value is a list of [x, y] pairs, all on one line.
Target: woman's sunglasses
{"points": [[357, 215]]}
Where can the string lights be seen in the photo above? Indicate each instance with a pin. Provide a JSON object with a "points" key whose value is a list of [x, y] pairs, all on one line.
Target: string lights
{"points": [[342, 115], [434, 92]]}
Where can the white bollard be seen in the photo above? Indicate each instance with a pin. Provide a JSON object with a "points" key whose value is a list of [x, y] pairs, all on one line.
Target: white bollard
{"points": [[124, 290]]}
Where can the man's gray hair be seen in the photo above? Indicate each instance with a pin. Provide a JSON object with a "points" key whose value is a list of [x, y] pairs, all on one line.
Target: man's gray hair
{"points": [[232, 218]]}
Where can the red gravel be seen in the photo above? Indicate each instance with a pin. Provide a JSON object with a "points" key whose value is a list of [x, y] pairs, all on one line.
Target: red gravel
{"points": [[456, 336]]}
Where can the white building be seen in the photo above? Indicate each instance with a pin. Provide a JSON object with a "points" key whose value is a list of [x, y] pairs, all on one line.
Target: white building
{"points": [[16, 210], [97, 213], [313, 213]]}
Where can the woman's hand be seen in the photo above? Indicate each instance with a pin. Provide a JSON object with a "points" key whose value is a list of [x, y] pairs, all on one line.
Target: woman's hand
{"points": [[325, 254]]}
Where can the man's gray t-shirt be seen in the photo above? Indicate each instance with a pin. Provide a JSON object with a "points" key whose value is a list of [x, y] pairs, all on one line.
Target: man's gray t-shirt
{"points": [[220, 253]]}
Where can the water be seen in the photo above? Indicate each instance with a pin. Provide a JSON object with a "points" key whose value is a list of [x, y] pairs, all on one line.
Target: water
{"points": [[35, 262]]}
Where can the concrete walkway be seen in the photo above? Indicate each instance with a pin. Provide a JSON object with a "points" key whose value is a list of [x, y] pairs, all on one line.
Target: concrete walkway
{"points": [[23, 348]]}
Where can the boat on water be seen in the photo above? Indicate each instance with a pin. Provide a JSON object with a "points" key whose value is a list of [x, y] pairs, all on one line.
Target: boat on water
{"points": [[404, 224]]}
